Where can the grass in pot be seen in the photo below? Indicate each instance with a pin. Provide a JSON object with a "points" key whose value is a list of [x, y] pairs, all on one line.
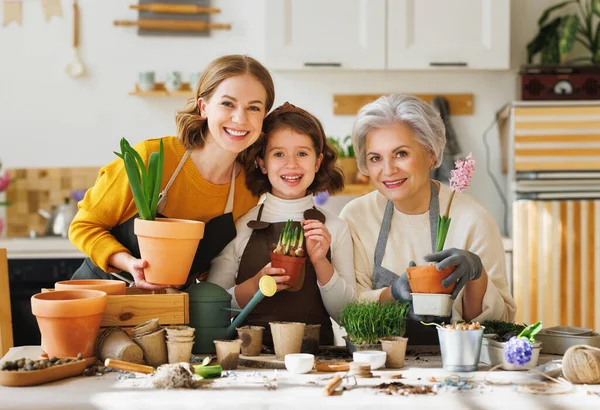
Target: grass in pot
{"points": [[366, 323], [289, 254], [168, 245]]}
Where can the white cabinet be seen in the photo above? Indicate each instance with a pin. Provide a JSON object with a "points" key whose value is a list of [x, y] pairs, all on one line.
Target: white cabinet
{"points": [[427, 34], [349, 34]]}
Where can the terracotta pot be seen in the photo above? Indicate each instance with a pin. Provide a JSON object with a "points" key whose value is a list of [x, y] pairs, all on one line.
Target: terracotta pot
{"points": [[111, 287], [310, 340], [168, 246], [427, 279], [287, 337], [395, 349], [350, 168], [228, 353], [291, 264], [69, 320], [251, 337]]}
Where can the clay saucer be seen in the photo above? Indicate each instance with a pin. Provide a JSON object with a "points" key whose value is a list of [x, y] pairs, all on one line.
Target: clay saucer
{"points": [[332, 366], [34, 377]]}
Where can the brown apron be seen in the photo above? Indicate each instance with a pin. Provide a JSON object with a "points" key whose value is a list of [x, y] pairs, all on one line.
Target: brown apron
{"points": [[303, 305]]}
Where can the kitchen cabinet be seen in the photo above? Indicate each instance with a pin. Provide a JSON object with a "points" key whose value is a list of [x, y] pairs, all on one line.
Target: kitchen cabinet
{"points": [[428, 34], [348, 34], [387, 34]]}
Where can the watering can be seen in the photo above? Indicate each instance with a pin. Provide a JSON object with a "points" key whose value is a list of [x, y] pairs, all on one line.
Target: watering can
{"points": [[210, 312]]}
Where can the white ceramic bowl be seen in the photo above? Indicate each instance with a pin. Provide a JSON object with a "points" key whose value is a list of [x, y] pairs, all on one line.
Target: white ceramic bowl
{"points": [[373, 357], [299, 363], [435, 304]]}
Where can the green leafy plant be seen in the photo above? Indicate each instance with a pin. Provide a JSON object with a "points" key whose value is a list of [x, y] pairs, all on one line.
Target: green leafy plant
{"points": [[144, 181], [530, 331], [365, 323], [290, 241], [344, 148], [557, 36], [504, 330]]}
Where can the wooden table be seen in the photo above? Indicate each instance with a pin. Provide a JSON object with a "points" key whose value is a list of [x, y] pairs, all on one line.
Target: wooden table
{"points": [[246, 389]]}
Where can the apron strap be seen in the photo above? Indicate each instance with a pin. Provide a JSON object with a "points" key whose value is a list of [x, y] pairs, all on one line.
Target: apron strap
{"points": [[229, 204], [162, 199], [260, 211]]}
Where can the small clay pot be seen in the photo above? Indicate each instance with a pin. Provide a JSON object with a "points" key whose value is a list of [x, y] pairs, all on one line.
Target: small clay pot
{"points": [[251, 337], [228, 353], [154, 347], [287, 337], [310, 340], [427, 279], [147, 327], [179, 351], [180, 331], [291, 264], [111, 287], [395, 348]]}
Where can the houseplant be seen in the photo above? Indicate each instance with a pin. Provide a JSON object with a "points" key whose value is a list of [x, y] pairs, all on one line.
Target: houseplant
{"points": [[366, 323], [460, 345], [289, 254], [427, 279], [510, 351], [557, 35], [168, 245], [346, 159]]}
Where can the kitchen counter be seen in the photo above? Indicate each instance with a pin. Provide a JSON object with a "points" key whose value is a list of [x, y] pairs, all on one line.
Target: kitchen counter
{"points": [[40, 248], [246, 389]]}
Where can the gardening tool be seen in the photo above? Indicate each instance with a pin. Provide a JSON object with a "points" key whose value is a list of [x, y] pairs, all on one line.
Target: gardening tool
{"points": [[210, 312], [76, 67], [174, 8], [172, 25], [128, 366]]}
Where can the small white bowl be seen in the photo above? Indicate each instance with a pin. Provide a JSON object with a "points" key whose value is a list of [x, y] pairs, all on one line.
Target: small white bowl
{"points": [[435, 304], [299, 363], [375, 358]]}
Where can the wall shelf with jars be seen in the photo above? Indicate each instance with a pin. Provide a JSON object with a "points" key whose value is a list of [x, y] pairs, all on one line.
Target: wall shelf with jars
{"points": [[159, 90]]}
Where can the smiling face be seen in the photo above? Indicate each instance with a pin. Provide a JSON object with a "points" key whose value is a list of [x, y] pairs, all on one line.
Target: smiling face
{"points": [[399, 167], [290, 163], [235, 112]]}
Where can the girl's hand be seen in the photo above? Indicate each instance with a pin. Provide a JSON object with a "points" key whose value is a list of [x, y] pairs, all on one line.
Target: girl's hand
{"points": [[276, 273], [318, 240], [136, 269]]}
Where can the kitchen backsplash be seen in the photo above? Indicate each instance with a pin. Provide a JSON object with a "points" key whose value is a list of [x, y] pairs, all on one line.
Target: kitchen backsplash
{"points": [[41, 188]]}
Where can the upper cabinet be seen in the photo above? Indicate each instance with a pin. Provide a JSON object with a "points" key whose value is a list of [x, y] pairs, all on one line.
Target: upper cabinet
{"points": [[348, 34], [387, 34], [425, 34]]}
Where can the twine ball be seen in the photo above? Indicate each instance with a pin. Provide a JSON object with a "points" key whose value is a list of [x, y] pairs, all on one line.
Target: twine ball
{"points": [[581, 364]]}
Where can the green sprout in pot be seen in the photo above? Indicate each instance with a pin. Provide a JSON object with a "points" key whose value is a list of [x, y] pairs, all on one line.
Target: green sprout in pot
{"points": [[144, 181], [365, 323], [290, 241]]}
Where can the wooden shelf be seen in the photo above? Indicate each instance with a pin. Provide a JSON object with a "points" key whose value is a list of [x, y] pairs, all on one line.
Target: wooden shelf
{"points": [[357, 189], [161, 91], [349, 104]]}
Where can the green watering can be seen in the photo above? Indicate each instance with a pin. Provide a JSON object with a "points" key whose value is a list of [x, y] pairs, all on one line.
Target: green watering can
{"points": [[210, 312]]}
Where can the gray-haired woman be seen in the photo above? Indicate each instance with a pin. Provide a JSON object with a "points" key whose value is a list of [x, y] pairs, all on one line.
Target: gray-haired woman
{"points": [[398, 140]]}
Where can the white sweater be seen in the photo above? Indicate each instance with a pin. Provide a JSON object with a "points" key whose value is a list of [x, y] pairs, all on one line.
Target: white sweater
{"points": [[472, 228], [340, 289]]}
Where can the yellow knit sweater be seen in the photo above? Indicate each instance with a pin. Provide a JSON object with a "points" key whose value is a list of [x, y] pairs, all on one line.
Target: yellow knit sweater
{"points": [[110, 202]]}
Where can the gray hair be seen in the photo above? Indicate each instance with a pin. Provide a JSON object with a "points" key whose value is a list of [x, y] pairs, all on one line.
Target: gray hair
{"points": [[388, 110]]}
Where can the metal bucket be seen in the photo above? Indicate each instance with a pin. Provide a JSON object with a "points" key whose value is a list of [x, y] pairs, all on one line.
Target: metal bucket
{"points": [[460, 349]]}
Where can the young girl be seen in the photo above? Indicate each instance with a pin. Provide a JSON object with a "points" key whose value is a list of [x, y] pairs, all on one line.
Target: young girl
{"points": [[293, 162]]}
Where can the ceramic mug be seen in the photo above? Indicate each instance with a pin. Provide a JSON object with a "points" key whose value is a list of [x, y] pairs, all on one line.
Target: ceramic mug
{"points": [[146, 80], [173, 81]]}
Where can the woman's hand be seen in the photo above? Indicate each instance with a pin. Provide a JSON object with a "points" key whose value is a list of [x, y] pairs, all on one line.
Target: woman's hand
{"points": [[468, 267], [276, 273], [136, 268], [318, 240]]}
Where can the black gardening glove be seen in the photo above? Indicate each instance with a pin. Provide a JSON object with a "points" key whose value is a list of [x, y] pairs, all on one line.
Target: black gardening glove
{"points": [[468, 267], [401, 292]]}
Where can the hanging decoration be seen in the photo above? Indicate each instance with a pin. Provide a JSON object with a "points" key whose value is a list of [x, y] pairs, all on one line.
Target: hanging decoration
{"points": [[13, 11], [51, 8]]}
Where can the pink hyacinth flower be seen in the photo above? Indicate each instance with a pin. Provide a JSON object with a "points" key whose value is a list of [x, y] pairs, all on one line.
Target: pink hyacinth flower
{"points": [[4, 181], [460, 176]]}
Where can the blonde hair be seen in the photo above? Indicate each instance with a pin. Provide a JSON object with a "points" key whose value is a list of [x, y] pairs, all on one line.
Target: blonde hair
{"points": [[191, 127]]}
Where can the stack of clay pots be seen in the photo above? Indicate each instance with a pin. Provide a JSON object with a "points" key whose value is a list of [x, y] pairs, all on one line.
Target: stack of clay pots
{"points": [[180, 340], [150, 336]]}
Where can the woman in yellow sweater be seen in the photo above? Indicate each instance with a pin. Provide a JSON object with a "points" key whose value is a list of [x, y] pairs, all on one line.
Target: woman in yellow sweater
{"points": [[202, 179]]}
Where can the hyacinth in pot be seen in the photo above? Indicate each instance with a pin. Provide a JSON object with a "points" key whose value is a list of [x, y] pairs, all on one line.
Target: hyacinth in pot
{"points": [[168, 245], [522, 351], [289, 254], [429, 296]]}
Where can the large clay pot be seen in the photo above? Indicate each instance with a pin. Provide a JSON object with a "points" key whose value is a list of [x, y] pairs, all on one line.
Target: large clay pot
{"points": [[168, 246], [69, 320], [111, 287], [427, 279], [291, 264]]}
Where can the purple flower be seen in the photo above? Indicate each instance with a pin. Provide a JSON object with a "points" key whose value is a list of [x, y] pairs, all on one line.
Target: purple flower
{"points": [[321, 198], [518, 351]]}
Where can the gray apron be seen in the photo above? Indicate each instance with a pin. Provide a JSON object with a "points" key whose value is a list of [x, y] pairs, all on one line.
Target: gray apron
{"points": [[382, 278], [218, 232]]}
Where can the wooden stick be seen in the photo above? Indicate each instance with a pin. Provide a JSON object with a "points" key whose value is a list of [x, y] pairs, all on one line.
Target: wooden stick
{"points": [[172, 25], [128, 366], [174, 8], [332, 385]]}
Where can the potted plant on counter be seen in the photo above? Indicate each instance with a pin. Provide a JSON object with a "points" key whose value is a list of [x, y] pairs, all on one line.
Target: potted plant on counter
{"points": [[429, 296], [168, 245], [460, 345], [289, 254], [511, 346], [367, 323]]}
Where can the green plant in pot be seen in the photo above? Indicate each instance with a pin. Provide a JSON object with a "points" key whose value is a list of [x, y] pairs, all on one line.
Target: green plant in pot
{"points": [[346, 159], [167, 245], [558, 34], [366, 323], [289, 254]]}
